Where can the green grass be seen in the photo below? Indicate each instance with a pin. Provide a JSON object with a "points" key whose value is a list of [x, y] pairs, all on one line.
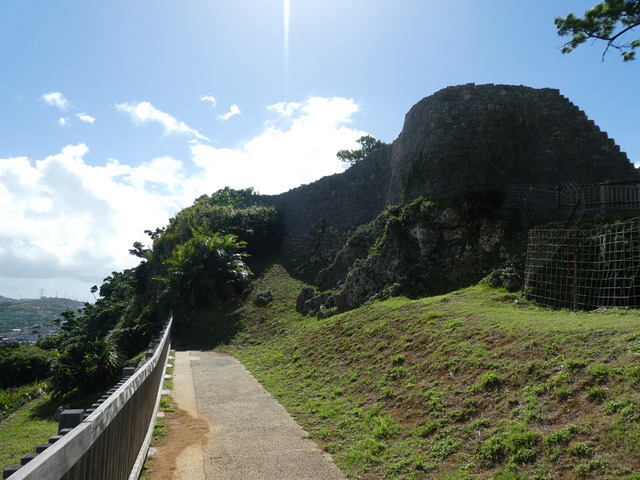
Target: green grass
{"points": [[28, 427], [11, 399], [474, 384]]}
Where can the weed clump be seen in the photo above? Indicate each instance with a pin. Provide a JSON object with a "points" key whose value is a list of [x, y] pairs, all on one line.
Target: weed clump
{"points": [[488, 381]]}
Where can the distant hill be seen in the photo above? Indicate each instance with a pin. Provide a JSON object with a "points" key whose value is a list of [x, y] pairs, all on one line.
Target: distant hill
{"points": [[29, 313]]}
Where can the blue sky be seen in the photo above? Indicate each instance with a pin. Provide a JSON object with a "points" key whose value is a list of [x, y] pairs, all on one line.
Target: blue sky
{"points": [[115, 115]]}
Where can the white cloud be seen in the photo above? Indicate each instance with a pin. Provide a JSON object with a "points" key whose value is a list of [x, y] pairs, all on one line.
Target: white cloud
{"points": [[210, 99], [66, 219], [298, 145], [86, 118], [234, 110], [143, 112], [285, 109], [62, 121], [56, 99], [68, 224]]}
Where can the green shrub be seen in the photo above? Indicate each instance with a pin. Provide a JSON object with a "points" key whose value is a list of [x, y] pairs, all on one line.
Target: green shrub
{"points": [[435, 399], [574, 365], [563, 393], [21, 365], [586, 469], [428, 428], [579, 450], [444, 448], [633, 375], [13, 398], [492, 451], [598, 372], [487, 381], [521, 444], [596, 394], [86, 367], [480, 424], [397, 359], [562, 436], [384, 428], [614, 406]]}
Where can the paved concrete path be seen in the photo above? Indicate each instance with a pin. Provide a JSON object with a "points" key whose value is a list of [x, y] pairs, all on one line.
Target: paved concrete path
{"points": [[251, 436]]}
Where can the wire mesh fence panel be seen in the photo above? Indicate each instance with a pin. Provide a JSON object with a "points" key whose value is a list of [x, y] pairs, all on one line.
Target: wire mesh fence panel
{"points": [[570, 201], [588, 268]]}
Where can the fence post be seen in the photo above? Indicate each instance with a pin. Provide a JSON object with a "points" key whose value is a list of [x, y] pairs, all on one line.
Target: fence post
{"points": [[70, 418], [574, 286], [603, 199]]}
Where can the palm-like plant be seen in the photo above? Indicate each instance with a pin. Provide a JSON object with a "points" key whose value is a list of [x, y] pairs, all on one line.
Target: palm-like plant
{"points": [[86, 366], [207, 268]]}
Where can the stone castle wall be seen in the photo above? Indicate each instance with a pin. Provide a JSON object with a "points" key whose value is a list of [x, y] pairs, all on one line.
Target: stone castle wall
{"points": [[481, 137], [469, 138], [318, 216]]}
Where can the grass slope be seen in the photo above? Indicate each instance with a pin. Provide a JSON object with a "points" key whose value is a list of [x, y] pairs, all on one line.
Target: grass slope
{"points": [[28, 427], [474, 384]]}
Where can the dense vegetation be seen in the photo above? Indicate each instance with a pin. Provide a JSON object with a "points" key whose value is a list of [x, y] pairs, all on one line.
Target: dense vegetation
{"points": [[200, 258], [22, 365]]}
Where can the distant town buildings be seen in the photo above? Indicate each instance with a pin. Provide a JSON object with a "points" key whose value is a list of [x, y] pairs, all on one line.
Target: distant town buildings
{"points": [[28, 336]]}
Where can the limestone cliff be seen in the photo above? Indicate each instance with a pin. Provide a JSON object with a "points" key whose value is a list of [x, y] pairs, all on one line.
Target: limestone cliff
{"points": [[419, 248]]}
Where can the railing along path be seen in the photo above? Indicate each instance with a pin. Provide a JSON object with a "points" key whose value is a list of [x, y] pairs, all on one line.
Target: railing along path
{"points": [[110, 440]]}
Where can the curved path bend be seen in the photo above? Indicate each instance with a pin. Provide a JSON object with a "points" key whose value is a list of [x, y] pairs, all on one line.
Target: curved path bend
{"points": [[250, 435]]}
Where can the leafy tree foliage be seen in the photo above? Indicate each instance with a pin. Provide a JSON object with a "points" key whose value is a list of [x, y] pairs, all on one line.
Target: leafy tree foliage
{"points": [[229, 197], [197, 259], [206, 269], [86, 367], [609, 21], [90, 348], [224, 212], [367, 143], [23, 364]]}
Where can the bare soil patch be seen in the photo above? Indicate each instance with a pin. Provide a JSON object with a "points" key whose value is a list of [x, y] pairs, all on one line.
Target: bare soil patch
{"points": [[183, 431]]}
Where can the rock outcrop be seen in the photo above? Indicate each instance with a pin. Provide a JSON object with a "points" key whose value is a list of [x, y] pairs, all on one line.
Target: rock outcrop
{"points": [[419, 248]]}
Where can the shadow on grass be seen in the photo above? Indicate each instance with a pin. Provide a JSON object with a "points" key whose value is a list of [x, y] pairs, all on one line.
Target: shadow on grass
{"points": [[48, 408], [45, 410], [291, 264], [214, 326], [208, 329]]}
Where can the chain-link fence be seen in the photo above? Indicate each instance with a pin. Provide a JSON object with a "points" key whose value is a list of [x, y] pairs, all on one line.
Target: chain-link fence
{"points": [[585, 268]]}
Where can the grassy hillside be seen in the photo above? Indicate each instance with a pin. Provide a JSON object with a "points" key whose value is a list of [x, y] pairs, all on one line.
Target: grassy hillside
{"points": [[474, 384]]}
